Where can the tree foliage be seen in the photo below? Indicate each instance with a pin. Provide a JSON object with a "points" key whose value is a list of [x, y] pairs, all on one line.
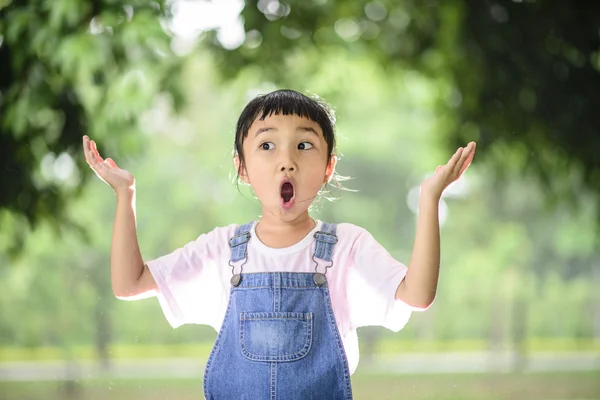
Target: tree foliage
{"points": [[519, 77], [70, 68], [524, 74]]}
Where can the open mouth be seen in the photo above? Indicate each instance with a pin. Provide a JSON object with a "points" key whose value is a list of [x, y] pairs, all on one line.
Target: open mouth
{"points": [[287, 193]]}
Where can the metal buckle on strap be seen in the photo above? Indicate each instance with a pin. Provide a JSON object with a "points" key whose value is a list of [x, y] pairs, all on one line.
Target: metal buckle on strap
{"points": [[326, 237], [240, 239]]}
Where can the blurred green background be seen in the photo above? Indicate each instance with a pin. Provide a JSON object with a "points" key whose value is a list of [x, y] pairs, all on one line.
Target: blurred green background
{"points": [[159, 85]]}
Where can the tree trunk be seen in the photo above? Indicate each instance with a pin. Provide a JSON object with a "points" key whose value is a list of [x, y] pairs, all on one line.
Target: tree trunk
{"points": [[71, 388], [519, 332], [103, 332], [102, 312]]}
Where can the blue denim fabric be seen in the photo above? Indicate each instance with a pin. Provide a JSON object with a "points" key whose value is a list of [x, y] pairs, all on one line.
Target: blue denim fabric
{"points": [[279, 338], [326, 239], [239, 242]]}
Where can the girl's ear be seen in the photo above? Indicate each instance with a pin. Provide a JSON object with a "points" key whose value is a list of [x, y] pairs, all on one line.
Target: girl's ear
{"points": [[241, 171], [330, 169]]}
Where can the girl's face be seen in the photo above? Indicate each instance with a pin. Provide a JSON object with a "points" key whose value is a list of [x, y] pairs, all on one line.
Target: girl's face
{"points": [[286, 163]]}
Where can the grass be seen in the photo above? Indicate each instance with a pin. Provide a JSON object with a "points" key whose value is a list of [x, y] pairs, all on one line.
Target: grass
{"points": [[201, 350], [534, 386], [533, 345], [531, 386], [195, 350]]}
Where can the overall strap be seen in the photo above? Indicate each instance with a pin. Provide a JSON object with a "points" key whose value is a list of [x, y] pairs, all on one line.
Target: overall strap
{"points": [[325, 242], [239, 242]]}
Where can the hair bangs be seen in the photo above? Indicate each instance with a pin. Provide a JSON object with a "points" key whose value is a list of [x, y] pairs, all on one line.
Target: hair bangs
{"points": [[287, 102], [292, 103]]}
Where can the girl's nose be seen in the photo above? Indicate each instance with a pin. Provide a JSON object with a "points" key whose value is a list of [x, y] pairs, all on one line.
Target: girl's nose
{"points": [[287, 160]]}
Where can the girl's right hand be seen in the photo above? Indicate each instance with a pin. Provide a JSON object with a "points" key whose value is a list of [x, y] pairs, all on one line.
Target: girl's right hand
{"points": [[106, 169]]}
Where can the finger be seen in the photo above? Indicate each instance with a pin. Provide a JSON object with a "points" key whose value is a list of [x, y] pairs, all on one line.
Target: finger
{"points": [[95, 162], [454, 159], [87, 151], [468, 161], [465, 160], [111, 162], [462, 159], [95, 152], [86, 145]]}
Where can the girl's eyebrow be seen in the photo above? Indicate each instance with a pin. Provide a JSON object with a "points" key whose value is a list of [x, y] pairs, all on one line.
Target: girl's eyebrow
{"points": [[307, 129], [299, 129]]}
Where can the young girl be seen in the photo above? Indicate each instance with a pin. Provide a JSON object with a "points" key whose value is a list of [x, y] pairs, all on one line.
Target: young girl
{"points": [[285, 293]]}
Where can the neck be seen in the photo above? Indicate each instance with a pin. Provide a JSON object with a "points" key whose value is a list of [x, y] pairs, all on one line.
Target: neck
{"points": [[272, 223], [277, 233]]}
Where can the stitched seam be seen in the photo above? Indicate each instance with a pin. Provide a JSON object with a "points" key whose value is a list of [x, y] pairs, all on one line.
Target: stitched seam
{"points": [[214, 349], [276, 315], [274, 381], [339, 344], [308, 322], [269, 287]]}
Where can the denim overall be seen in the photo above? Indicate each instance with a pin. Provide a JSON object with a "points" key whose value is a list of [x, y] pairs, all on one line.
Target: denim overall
{"points": [[279, 338]]}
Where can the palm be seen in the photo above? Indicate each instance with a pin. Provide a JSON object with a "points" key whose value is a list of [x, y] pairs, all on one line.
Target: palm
{"points": [[116, 174], [106, 169], [450, 172]]}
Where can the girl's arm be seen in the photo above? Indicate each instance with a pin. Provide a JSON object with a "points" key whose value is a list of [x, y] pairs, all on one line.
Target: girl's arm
{"points": [[419, 286], [130, 278]]}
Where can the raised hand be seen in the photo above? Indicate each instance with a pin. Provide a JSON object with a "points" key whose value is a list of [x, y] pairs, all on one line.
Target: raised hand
{"points": [[446, 174], [106, 169]]}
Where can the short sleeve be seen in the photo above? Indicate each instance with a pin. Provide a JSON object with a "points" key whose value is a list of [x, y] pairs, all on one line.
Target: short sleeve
{"points": [[372, 283], [190, 280]]}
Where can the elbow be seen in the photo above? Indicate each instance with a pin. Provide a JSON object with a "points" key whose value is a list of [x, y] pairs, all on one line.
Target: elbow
{"points": [[420, 304], [127, 296], [418, 300], [121, 293], [132, 295], [423, 306]]}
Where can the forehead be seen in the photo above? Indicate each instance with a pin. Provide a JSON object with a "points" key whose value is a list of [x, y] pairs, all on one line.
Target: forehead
{"points": [[281, 121]]}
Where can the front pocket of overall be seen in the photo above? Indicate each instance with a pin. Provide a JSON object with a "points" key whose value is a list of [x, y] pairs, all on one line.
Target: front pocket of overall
{"points": [[275, 336]]}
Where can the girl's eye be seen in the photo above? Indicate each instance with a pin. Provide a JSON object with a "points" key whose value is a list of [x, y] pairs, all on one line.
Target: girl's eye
{"points": [[305, 146], [267, 146]]}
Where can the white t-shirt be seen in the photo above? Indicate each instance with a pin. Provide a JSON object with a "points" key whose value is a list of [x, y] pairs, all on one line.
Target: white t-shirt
{"points": [[194, 281]]}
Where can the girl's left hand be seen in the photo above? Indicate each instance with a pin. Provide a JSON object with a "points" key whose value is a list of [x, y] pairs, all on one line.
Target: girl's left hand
{"points": [[444, 175]]}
